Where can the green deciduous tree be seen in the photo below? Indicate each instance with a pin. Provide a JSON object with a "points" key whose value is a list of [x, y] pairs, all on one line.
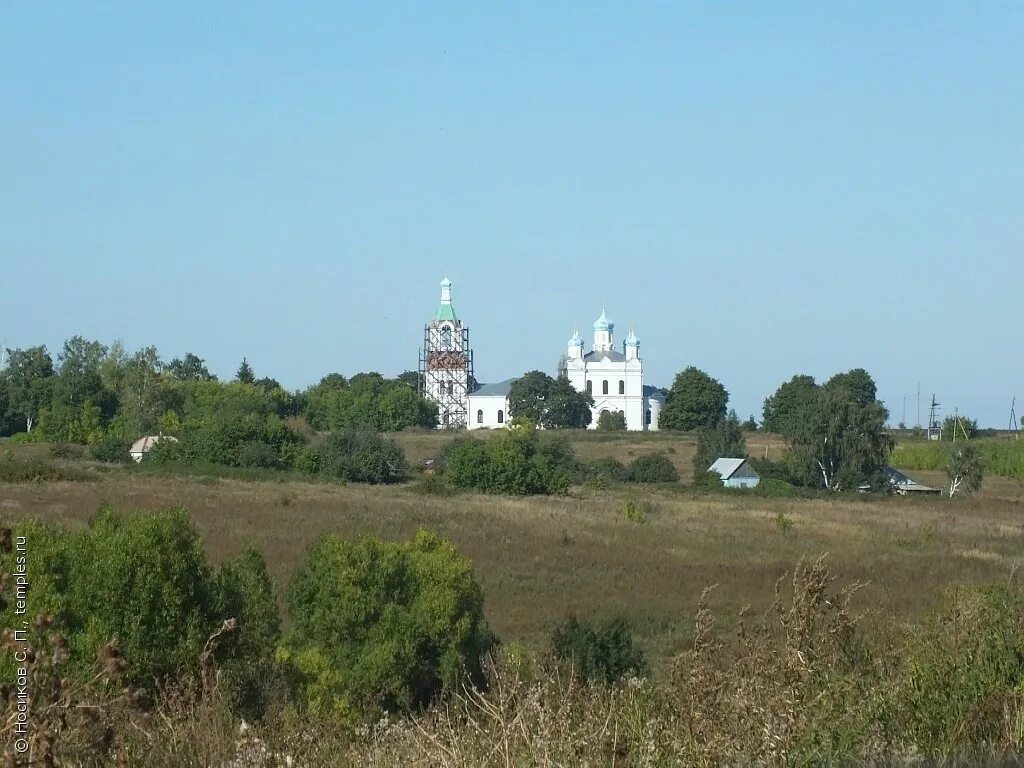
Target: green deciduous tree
{"points": [[551, 403], [190, 368], [965, 470], [695, 400], [724, 440], [520, 461], [784, 410], [611, 421], [245, 592], [955, 428], [144, 580], [856, 386], [29, 376], [367, 401], [383, 625], [841, 441]]}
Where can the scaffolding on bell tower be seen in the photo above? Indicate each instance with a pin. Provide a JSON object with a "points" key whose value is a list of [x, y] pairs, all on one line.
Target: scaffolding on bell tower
{"points": [[446, 364]]}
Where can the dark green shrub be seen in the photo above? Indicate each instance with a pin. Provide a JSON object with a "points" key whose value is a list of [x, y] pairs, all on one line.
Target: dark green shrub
{"points": [[606, 470], [260, 455], [65, 451], [777, 489], [599, 651], [708, 481], [517, 462], [383, 625], [652, 468], [144, 580], [111, 449], [233, 439], [611, 421], [246, 655], [360, 456], [467, 463]]}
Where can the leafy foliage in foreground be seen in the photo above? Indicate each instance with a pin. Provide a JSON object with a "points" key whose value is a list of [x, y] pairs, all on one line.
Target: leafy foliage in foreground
{"points": [[144, 580], [802, 684], [379, 625]]}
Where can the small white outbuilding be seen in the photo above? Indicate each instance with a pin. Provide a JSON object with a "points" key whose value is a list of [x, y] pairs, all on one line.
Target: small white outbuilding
{"points": [[144, 445], [736, 473]]}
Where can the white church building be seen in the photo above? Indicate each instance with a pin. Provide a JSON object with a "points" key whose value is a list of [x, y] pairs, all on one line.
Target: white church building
{"points": [[614, 377]]}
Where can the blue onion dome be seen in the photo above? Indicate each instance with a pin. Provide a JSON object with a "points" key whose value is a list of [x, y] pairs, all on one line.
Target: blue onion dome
{"points": [[446, 283], [576, 340], [632, 340], [603, 323]]}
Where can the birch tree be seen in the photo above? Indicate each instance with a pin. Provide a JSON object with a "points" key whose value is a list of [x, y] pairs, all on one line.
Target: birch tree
{"points": [[965, 470]]}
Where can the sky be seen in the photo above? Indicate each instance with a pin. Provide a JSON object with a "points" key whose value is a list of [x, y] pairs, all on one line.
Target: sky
{"points": [[759, 189]]}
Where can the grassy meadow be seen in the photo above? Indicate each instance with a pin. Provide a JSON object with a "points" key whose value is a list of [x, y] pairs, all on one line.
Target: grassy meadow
{"points": [[540, 558]]}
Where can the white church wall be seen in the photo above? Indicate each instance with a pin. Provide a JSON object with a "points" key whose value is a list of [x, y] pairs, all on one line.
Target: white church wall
{"points": [[488, 412]]}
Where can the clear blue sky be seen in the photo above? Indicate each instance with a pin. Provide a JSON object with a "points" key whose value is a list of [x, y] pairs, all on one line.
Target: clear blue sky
{"points": [[762, 189]]}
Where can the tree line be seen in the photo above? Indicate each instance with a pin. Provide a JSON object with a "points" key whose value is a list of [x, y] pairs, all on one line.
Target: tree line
{"points": [[105, 397]]}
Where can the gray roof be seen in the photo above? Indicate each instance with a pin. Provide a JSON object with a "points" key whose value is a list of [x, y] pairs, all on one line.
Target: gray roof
{"points": [[904, 482], [501, 389], [650, 391], [727, 467], [612, 354]]}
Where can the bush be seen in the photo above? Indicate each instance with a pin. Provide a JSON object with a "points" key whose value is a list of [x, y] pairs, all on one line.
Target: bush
{"points": [[65, 451], [144, 580], [636, 511], [598, 651], [111, 449], [517, 462], [611, 421], [246, 656], [708, 481], [603, 471], [357, 456], [234, 440], [652, 468], [383, 625]]}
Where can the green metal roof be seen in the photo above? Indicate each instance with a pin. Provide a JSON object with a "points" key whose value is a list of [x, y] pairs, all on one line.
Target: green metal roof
{"points": [[446, 312]]}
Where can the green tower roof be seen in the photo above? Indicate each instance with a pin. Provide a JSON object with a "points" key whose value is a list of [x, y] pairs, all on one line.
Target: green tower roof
{"points": [[446, 312]]}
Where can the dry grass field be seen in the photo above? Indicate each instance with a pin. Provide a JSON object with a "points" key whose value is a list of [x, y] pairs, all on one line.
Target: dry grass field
{"points": [[541, 558], [589, 445]]}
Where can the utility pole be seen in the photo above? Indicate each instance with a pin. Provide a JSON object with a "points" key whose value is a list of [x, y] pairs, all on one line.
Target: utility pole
{"points": [[918, 404]]}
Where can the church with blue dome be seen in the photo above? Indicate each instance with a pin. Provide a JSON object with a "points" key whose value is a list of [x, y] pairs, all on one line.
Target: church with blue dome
{"points": [[614, 376], [611, 373]]}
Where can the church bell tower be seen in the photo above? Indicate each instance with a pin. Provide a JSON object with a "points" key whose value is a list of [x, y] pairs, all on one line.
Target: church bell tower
{"points": [[446, 363]]}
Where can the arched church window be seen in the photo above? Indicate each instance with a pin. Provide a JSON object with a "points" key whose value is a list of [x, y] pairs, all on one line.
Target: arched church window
{"points": [[647, 417], [446, 337], [622, 387], [501, 417], [480, 417], [604, 387], [590, 387]]}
